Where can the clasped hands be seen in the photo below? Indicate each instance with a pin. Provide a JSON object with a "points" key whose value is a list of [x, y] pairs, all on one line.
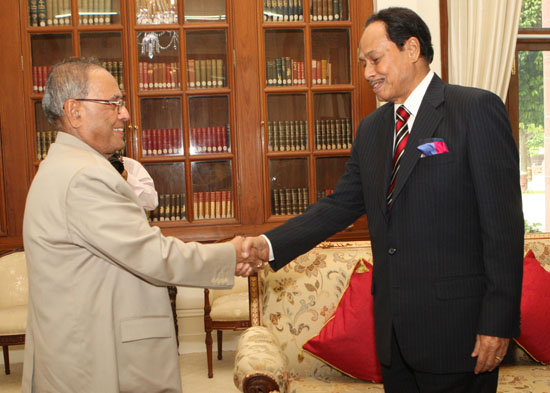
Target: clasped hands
{"points": [[251, 252]]}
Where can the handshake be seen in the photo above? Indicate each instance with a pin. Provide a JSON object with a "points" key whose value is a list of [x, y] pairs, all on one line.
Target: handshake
{"points": [[251, 253]]}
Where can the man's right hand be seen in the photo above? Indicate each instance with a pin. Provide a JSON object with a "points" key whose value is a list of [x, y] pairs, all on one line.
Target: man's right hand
{"points": [[255, 246]]}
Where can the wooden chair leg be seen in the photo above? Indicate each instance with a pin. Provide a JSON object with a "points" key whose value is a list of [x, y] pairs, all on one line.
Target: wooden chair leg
{"points": [[6, 359], [209, 353], [220, 339]]}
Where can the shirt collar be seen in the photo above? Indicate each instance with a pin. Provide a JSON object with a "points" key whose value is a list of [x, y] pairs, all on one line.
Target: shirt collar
{"points": [[413, 101]]}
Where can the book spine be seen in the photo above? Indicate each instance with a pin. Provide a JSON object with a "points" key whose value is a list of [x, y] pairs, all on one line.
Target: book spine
{"points": [[204, 75], [269, 136], [336, 9], [209, 73], [279, 68], [177, 207], [41, 10], [323, 72], [303, 134], [33, 12], [276, 208], [220, 73]]}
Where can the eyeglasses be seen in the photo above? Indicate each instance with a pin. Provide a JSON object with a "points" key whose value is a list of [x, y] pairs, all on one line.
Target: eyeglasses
{"points": [[118, 103]]}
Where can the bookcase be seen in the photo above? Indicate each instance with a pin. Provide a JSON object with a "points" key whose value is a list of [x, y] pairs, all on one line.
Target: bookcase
{"points": [[243, 112]]}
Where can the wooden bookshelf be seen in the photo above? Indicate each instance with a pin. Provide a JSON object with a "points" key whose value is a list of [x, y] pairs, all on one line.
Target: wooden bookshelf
{"points": [[219, 140]]}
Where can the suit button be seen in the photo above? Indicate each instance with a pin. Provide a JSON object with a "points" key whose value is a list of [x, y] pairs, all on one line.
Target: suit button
{"points": [[391, 250]]}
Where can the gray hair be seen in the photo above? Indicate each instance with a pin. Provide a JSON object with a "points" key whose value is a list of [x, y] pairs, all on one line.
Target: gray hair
{"points": [[68, 79]]}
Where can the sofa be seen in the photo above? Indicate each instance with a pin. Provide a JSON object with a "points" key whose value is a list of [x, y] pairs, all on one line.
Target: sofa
{"points": [[291, 306]]}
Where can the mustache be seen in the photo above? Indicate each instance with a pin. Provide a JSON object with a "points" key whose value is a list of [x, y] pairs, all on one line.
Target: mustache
{"points": [[373, 81]]}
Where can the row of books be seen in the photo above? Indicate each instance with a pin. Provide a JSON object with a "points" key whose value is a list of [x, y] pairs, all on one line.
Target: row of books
{"points": [[289, 200], [333, 134], [116, 68], [40, 74], [288, 135], [156, 12], [39, 77], [171, 207], [154, 76], [210, 139], [324, 193], [285, 71], [161, 142], [43, 141], [96, 12], [206, 73], [321, 72], [49, 12], [293, 10], [327, 10], [212, 204], [58, 12], [283, 10]]}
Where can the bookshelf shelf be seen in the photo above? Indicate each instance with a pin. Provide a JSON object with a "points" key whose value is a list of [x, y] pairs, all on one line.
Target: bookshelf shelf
{"points": [[230, 152]]}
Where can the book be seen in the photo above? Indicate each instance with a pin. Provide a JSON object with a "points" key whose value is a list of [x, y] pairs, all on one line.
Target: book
{"points": [[177, 207], [336, 9], [220, 73], [41, 11], [279, 70], [203, 73], [150, 76], [191, 73], [303, 134], [323, 72], [67, 11], [288, 70], [101, 9], [209, 73], [33, 12], [275, 208]]}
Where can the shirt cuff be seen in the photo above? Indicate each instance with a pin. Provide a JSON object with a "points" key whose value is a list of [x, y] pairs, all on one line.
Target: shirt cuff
{"points": [[271, 256]]}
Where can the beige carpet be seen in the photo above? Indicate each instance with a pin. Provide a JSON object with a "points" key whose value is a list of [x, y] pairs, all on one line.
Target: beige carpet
{"points": [[193, 374]]}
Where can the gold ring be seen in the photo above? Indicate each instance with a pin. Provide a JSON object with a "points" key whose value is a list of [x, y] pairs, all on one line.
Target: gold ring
{"points": [[498, 358]]}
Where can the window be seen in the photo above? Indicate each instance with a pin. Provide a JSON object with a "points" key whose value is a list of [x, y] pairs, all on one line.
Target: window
{"points": [[529, 107]]}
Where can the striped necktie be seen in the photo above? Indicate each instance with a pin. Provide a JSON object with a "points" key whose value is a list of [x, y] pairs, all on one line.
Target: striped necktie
{"points": [[401, 137]]}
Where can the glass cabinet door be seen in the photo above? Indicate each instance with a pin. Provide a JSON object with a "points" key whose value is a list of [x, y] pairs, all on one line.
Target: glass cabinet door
{"points": [[212, 190], [47, 50], [156, 12], [197, 11], [50, 13], [332, 112], [206, 59], [289, 185], [169, 179], [161, 126], [287, 122], [284, 57], [209, 129], [107, 47], [328, 170], [98, 12], [329, 10], [158, 60], [330, 53]]}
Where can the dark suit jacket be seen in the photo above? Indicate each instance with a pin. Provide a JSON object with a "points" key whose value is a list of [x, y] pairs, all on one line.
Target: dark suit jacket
{"points": [[448, 256]]}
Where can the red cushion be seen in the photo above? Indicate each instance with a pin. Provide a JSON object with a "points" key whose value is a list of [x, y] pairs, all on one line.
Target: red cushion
{"points": [[346, 342], [535, 303]]}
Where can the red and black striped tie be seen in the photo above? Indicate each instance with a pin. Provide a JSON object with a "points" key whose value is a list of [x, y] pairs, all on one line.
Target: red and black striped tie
{"points": [[401, 137]]}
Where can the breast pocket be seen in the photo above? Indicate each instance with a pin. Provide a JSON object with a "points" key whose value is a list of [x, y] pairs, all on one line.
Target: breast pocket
{"points": [[438, 159]]}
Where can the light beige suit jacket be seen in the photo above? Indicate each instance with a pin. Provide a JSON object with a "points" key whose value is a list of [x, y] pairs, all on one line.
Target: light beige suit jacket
{"points": [[99, 317]]}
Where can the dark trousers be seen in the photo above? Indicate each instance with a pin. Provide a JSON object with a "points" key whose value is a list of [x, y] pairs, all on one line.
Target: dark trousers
{"points": [[399, 377]]}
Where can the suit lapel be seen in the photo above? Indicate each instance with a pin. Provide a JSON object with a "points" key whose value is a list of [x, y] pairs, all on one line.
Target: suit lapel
{"points": [[425, 124]]}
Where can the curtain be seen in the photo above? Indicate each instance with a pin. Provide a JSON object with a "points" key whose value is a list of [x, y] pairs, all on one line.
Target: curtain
{"points": [[482, 42]]}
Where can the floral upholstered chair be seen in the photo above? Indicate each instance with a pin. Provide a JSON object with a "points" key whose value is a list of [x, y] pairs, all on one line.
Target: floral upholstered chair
{"points": [[296, 302]]}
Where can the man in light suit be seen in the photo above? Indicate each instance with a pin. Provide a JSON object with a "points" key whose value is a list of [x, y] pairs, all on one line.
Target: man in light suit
{"points": [[99, 316], [446, 226]]}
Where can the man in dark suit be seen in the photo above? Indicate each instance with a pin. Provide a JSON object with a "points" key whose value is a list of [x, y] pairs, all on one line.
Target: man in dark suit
{"points": [[446, 226]]}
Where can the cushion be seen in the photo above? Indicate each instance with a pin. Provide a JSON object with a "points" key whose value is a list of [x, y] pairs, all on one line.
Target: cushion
{"points": [[346, 341], [232, 307], [535, 303]]}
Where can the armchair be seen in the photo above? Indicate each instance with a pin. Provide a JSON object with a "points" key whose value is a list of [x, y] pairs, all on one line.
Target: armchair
{"points": [[296, 302], [13, 301], [225, 309]]}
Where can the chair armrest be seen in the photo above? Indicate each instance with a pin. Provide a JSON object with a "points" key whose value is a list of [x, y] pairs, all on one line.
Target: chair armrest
{"points": [[259, 364]]}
